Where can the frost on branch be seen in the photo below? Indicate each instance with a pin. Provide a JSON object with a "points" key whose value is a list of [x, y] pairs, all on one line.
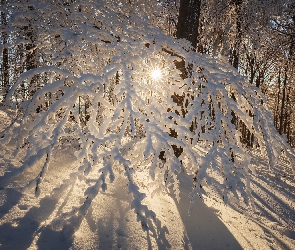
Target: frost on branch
{"points": [[185, 120]]}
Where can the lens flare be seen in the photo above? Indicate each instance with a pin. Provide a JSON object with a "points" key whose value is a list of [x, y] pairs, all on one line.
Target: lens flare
{"points": [[156, 74]]}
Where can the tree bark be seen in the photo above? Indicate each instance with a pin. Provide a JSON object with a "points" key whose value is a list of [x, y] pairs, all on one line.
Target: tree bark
{"points": [[287, 115], [5, 58], [188, 20], [235, 53], [276, 116], [283, 104], [31, 55]]}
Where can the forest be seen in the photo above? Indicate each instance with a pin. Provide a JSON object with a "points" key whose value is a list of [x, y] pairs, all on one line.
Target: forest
{"points": [[167, 97], [256, 37]]}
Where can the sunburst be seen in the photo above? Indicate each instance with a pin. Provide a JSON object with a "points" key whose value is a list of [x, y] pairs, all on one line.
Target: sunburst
{"points": [[156, 74]]}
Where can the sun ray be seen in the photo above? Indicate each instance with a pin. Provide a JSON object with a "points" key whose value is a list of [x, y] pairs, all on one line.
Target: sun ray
{"points": [[156, 74]]}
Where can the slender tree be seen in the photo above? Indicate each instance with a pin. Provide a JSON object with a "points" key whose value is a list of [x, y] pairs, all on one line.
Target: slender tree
{"points": [[5, 58], [188, 20]]}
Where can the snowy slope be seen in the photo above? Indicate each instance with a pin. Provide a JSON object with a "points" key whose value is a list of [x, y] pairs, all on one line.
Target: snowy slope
{"points": [[29, 222]]}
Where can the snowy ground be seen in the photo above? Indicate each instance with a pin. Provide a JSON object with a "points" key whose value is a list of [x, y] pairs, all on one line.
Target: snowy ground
{"points": [[27, 222]]}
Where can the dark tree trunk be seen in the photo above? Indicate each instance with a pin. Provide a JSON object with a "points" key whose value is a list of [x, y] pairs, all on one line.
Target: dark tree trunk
{"points": [[5, 59], [186, 28], [289, 132], [188, 20], [286, 115], [251, 65], [31, 55], [276, 116], [235, 52], [258, 83], [283, 104], [20, 68]]}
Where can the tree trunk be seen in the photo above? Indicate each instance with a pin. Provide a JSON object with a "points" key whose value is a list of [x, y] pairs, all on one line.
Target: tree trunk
{"points": [[283, 104], [235, 53], [5, 59], [287, 115], [188, 20], [276, 116], [289, 132], [31, 58], [186, 28]]}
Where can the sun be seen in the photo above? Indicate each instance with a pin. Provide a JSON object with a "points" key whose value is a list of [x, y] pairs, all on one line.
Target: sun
{"points": [[156, 74]]}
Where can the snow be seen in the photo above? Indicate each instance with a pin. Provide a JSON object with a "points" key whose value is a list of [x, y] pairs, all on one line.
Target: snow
{"points": [[55, 219], [126, 103], [106, 185]]}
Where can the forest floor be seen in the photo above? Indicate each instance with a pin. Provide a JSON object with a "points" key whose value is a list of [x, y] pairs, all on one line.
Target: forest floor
{"points": [[29, 222]]}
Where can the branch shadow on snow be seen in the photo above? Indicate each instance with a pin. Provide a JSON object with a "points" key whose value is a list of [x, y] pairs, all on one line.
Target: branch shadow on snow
{"points": [[21, 231], [112, 226], [272, 198], [12, 198], [111, 232], [108, 228], [272, 203], [19, 234], [203, 229]]}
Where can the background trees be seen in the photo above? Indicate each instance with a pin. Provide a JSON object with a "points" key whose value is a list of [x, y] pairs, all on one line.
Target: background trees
{"points": [[84, 78], [256, 37]]}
